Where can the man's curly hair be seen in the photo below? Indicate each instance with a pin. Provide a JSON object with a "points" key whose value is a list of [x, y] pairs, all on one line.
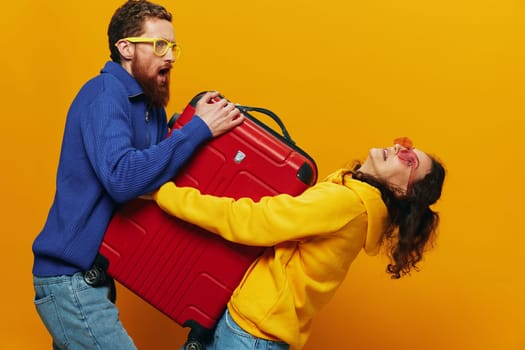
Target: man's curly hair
{"points": [[128, 21]]}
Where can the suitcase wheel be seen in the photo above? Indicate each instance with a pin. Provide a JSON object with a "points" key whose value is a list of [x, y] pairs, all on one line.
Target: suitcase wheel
{"points": [[193, 345]]}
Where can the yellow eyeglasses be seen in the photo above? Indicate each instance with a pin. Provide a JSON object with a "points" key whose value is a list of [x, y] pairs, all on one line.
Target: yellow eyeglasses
{"points": [[160, 46]]}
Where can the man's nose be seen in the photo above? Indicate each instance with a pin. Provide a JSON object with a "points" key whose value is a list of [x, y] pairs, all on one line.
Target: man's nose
{"points": [[170, 56]]}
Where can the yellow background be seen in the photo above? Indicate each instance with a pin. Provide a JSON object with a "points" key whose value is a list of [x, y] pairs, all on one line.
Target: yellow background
{"points": [[344, 75]]}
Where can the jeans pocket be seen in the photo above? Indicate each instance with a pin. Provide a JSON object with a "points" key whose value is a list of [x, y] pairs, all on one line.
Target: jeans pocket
{"points": [[240, 339], [234, 327], [48, 311]]}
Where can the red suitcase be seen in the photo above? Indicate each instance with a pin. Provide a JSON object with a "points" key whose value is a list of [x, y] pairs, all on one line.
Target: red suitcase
{"points": [[182, 270]]}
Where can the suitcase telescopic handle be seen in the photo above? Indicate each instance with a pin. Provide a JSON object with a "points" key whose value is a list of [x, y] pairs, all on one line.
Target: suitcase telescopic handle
{"points": [[246, 109]]}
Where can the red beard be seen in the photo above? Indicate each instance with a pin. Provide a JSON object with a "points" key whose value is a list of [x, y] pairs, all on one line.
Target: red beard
{"points": [[157, 92]]}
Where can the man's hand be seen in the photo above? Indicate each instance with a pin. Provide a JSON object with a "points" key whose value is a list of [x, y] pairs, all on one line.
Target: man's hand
{"points": [[218, 113]]}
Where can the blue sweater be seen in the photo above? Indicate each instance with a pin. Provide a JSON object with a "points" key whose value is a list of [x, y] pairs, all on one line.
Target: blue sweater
{"points": [[113, 150]]}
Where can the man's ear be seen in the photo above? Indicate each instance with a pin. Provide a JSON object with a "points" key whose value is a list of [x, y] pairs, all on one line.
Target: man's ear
{"points": [[126, 49]]}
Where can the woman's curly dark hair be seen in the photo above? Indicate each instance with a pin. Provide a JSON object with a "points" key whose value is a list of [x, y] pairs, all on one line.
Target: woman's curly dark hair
{"points": [[128, 21], [412, 223]]}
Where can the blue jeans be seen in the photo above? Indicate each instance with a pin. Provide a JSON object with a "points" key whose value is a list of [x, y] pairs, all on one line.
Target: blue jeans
{"points": [[79, 316], [228, 336]]}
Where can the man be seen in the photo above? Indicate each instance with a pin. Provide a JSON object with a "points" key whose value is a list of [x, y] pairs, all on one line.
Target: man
{"points": [[114, 149]]}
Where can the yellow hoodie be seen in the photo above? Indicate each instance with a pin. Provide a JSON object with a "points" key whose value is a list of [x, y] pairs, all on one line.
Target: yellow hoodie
{"points": [[312, 239]]}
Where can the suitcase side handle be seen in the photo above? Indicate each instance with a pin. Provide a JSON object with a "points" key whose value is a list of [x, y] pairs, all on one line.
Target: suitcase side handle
{"points": [[308, 172], [246, 109]]}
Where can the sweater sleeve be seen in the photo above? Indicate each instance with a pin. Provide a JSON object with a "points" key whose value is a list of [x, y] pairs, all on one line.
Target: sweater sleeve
{"points": [[125, 171], [321, 209]]}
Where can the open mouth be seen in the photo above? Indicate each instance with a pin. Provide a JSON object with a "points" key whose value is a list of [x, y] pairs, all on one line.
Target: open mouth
{"points": [[164, 72], [164, 75]]}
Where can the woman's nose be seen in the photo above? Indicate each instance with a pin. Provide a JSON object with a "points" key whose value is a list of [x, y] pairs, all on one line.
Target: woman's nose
{"points": [[397, 147]]}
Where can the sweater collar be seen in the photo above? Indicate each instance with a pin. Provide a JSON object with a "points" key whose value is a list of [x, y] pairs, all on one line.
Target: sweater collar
{"points": [[131, 85]]}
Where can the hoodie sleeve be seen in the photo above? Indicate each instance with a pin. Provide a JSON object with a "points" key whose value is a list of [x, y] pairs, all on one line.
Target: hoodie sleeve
{"points": [[321, 209]]}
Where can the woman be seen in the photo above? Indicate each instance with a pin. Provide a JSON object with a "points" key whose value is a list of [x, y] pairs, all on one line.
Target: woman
{"points": [[313, 238]]}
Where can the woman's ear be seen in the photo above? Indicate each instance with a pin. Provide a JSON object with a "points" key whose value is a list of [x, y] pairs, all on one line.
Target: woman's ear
{"points": [[126, 49]]}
